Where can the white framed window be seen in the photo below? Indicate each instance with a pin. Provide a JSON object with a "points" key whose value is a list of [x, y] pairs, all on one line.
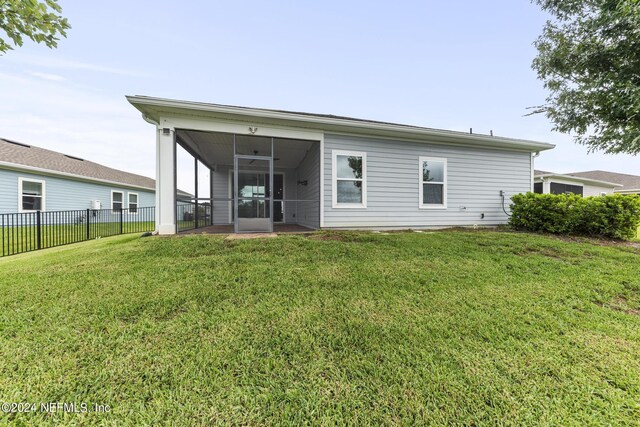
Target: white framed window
{"points": [[133, 202], [349, 179], [433, 183], [31, 195], [117, 200]]}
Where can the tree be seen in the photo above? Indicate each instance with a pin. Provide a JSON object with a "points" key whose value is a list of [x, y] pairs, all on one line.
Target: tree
{"points": [[39, 20], [589, 60]]}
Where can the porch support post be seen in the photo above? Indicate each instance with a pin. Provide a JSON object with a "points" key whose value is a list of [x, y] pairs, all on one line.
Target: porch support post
{"points": [[195, 174], [211, 196], [166, 181]]}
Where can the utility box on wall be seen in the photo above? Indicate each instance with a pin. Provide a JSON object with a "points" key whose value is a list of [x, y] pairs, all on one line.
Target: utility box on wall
{"points": [[95, 204]]}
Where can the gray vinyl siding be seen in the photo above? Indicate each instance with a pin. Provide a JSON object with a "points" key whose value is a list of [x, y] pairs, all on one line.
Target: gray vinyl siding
{"points": [[308, 209], [475, 177], [220, 190], [65, 193]]}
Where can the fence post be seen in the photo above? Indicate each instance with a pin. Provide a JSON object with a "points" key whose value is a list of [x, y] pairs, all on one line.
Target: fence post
{"points": [[88, 228], [38, 230], [121, 214], [195, 215]]}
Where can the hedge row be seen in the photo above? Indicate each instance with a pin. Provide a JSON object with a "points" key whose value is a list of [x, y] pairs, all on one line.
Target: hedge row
{"points": [[614, 216]]}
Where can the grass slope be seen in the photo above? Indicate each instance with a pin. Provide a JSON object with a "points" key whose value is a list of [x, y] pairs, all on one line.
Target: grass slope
{"points": [[337, 328]]}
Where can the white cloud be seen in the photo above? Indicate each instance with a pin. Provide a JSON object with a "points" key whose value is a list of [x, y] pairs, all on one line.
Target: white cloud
{"points": [[77, 121], [58, 63], [47, 76]]}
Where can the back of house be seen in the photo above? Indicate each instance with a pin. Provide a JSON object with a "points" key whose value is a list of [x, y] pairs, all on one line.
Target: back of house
{"points": [[269, 168]]}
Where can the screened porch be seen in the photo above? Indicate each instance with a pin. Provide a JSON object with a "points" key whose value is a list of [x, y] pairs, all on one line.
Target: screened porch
{"points": [[247, 183]]}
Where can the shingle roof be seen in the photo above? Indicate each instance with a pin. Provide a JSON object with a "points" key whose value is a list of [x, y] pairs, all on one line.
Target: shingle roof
{"points": [[629, 182], [28, 155]]}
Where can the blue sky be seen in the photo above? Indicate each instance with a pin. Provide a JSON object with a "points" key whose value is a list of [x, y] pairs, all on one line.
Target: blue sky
{"points": [[448, 65]]}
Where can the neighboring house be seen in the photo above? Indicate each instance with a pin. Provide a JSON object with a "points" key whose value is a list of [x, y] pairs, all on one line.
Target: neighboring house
{"points": [[335, 172], [554, 183], [33, 178], [629, 184]]}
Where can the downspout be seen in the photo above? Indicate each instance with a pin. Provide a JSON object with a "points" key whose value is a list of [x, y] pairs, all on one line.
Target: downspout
{"points": [[533, 156], [151, 121]]}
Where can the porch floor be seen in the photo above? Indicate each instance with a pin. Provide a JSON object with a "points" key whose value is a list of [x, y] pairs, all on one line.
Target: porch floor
{"points": [[228, 229]]}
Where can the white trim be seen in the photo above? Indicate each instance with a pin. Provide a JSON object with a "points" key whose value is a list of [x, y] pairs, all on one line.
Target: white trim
{"points": [[33, 169], [532, 170], [123, 198], [422, 205], [43, 183], [129, 203], [322, 183], [334, 179], [156, 190], [238, 127]]}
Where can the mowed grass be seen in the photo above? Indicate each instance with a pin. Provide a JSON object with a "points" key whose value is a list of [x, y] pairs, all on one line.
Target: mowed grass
{"points": [[458, 328], [20, 239]]}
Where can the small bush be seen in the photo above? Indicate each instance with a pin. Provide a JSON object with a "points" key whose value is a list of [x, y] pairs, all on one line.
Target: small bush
{"points": [[615, 216]]}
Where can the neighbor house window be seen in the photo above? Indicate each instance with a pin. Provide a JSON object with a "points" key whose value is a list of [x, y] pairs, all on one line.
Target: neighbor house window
{"points": [[537, 188], [133, 203], [433, 182], [560, 188], [31, 194], [349, 179], [117, 198]]}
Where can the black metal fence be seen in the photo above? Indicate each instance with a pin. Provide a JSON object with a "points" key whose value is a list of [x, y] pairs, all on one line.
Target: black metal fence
{"points": [[193, 214], [30, 231]]}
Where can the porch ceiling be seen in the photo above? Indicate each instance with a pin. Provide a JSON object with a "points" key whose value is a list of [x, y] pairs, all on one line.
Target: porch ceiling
{"points": [[217, 148]]}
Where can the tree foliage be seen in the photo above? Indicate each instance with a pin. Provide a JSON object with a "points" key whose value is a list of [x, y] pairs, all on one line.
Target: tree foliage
{"points": [[38, 20], [589, 60]]}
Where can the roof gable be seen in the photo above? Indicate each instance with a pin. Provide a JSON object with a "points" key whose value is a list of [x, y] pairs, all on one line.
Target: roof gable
{"points": [[626, 180], [35, 157]]}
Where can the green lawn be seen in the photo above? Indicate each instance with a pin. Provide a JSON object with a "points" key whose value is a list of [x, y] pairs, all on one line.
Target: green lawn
{"points": [[15, 240], [463, 328]]}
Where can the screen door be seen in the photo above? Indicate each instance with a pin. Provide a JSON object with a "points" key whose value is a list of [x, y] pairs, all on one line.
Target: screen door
{"points": [[253, 202]]}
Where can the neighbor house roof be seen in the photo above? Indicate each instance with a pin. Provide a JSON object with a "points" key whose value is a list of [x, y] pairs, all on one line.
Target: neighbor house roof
{"points": [[155, 108], [570, 177], [628, 182], [18, 155]]}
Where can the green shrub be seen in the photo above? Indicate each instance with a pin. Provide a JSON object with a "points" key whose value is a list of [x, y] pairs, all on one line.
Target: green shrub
{"points": [[615, 216]]}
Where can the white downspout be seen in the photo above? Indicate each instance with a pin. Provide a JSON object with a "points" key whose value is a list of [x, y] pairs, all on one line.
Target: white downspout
{"points": [[533, 156]]}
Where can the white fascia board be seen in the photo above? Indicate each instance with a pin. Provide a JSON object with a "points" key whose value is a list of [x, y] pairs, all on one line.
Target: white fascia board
{"points": [[32, 169], [153, 107], [203, 124], [579, 179]]}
